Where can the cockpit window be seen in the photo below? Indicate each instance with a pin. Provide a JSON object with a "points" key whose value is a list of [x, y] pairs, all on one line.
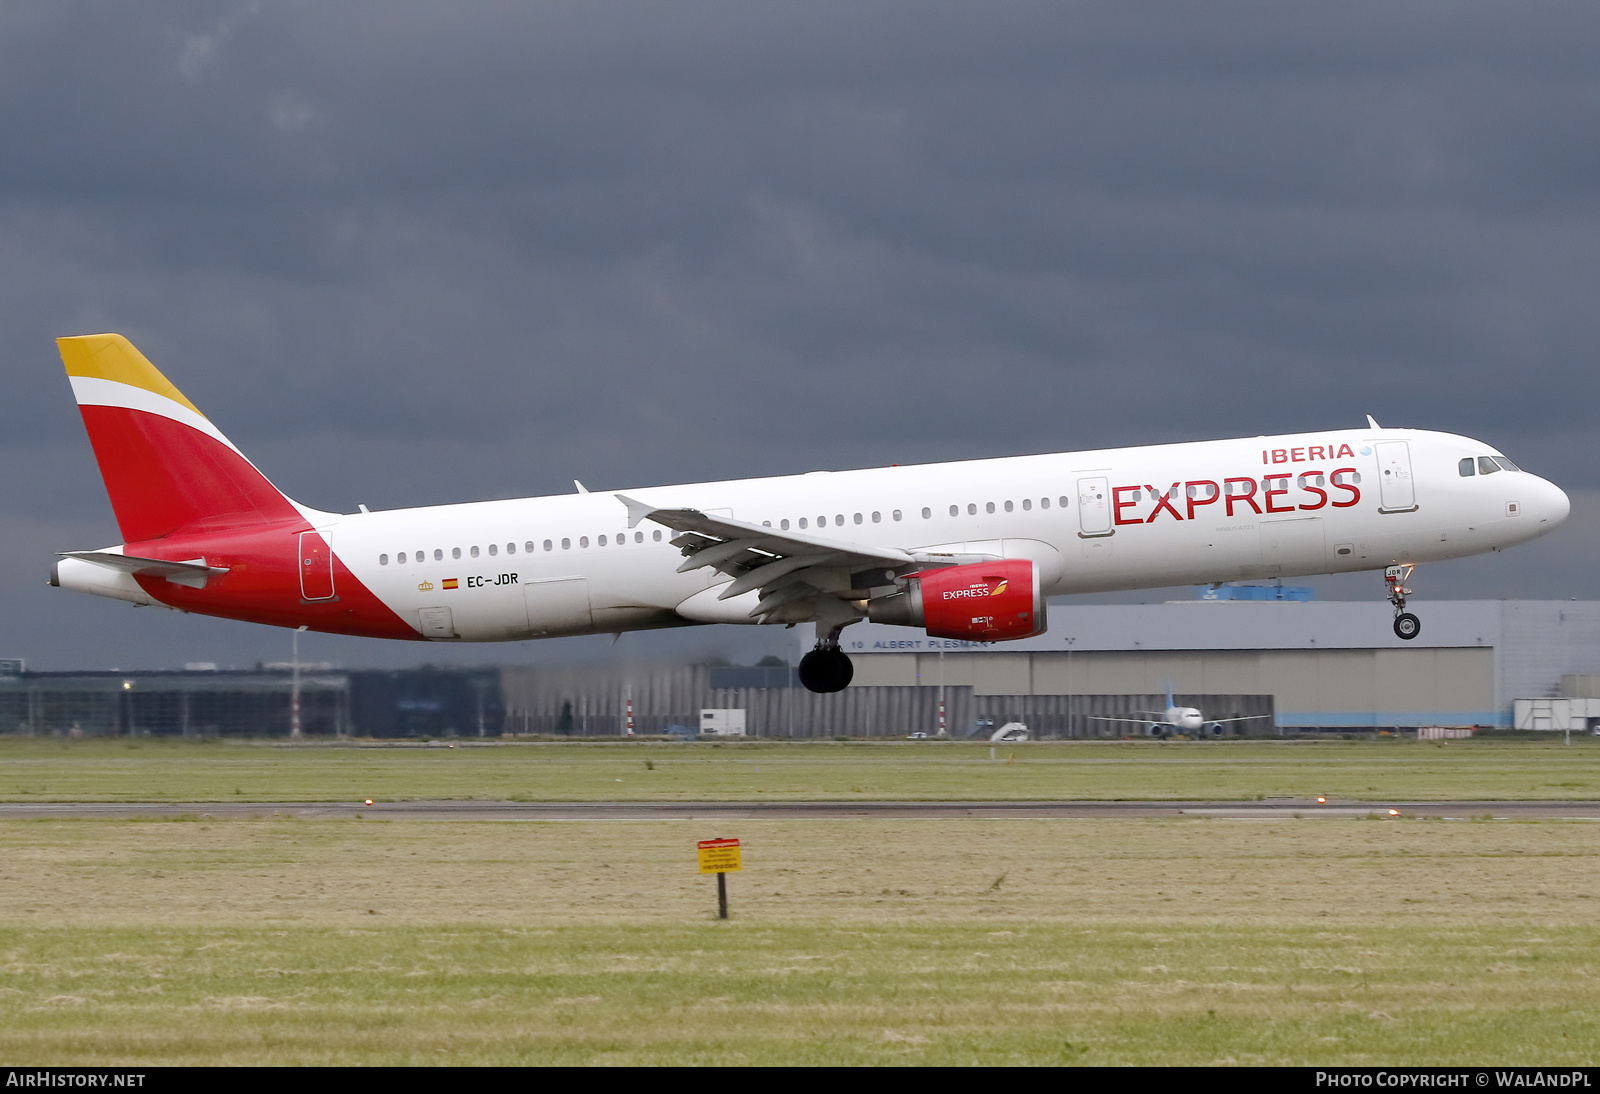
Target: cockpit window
{"points": [[1507, 464], [1468, 467], [1487, 466]]}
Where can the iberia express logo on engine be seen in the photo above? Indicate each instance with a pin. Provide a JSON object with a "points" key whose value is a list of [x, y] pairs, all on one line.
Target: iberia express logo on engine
{"points": [[976, 589]]}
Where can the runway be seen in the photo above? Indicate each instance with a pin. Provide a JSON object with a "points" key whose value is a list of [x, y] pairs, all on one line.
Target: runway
{"points": [[1276, 809]]}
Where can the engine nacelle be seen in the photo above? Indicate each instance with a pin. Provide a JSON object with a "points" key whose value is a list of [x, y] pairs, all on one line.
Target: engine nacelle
{"points": [[979, 602]]}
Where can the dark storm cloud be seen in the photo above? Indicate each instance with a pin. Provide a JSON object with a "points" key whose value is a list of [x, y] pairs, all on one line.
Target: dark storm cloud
{"points": [[412, 253]]}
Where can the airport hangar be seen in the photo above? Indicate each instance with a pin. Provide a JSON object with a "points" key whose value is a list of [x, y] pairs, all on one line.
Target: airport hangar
{"points": [[1311, 667], [1326, 666]]}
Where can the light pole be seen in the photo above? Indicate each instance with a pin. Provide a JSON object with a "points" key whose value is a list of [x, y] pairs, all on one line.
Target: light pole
{"points": [[294, 688], [1070, 641]]}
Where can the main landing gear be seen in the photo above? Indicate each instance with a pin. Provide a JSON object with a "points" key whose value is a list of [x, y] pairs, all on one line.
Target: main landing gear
{"points": [[827, 668], [1406, 625]]}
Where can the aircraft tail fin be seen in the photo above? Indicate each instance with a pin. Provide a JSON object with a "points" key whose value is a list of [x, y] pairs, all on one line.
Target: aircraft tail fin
{"points": [[164, 464]]}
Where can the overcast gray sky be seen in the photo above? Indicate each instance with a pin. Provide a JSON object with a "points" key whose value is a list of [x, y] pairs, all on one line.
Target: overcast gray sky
{"points": [[410, 253]]}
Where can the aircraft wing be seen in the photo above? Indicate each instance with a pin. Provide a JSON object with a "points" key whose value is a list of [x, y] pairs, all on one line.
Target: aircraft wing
{"points": [[785, 566]]}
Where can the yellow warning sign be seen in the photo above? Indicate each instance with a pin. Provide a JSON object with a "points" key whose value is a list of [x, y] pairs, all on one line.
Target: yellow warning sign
{"points": [[719, 856]]}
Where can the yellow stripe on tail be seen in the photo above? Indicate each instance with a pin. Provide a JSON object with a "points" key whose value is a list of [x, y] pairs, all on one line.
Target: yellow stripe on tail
{"points": [[112, 357]]}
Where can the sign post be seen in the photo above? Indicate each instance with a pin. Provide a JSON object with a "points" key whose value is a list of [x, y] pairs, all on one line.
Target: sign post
{"points": [[720, 857]]}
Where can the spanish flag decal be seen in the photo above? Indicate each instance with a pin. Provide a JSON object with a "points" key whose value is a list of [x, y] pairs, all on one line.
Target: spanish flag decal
{"points": [[451, 583]]}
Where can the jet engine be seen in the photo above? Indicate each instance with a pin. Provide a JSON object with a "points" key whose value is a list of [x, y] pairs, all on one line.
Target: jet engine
{"points": [[979, 602]]}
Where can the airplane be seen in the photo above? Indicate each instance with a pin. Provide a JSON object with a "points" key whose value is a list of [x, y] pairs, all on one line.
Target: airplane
{"points": [[1176, 719], [967, 550]]}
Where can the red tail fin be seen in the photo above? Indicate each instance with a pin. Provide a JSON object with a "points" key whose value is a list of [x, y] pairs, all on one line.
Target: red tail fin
{"points": [[165, 466]]}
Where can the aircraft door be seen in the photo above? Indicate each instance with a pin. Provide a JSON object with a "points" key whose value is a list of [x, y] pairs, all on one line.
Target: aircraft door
{"points": [[1396, 490], [316, 567], [437, 623], [1094, 508]]}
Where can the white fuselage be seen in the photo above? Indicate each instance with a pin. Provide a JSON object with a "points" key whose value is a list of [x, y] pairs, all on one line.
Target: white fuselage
{"points": [[1190, 513], [1186, 719]]}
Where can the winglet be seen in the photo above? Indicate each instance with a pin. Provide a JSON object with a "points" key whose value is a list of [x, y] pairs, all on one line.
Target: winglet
{"points": [[637, 510], [1372, 423], [582, 489]]}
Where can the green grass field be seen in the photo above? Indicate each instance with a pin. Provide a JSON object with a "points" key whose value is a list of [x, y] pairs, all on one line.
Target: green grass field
{"points": [[1390, 770], [1314, 941]]}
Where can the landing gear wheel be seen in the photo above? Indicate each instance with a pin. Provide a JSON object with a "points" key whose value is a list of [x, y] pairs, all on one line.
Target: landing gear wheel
{"points": [[826, 670], [1406, 625]]}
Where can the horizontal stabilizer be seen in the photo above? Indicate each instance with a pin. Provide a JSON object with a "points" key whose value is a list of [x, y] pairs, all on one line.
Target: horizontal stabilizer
{"points": [[193, 573]]}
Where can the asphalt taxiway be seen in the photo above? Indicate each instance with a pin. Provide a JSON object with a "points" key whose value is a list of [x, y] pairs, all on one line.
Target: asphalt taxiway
{"points": [[1269, 809]]}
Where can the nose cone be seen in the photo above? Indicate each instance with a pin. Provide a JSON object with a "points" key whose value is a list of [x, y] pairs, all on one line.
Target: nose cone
{"points": [[1550, 505]]}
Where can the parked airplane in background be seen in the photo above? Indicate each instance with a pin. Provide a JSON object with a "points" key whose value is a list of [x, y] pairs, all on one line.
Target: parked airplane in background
{"points": [[1185, 720], [962, 550]]}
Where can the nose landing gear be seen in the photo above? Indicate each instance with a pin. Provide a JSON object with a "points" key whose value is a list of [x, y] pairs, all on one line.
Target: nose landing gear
{"points": [[1406, 625]]}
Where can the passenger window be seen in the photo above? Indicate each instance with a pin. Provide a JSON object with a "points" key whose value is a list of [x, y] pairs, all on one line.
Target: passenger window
{"points": [[438, 555], [989, 508], [548, 546], [895, 515], [822, 522], [927, 514], [383, 560], [877, 517], [583, 541], [1467, 467], [422, 556], [528, 547], [638, 537], [955, 510], [1487, 466], [1062, 501], [858, 518], [839, 520], [1008, 507], [784, 524], [602, 541], [400, 558], [511, 548], [656, 535], [455, 552], [566, 544], [1027, 504], [494, 549], [622, 538], [972, 509], [473, 552], [802, 522], [1044, 503], [766, 524]]}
